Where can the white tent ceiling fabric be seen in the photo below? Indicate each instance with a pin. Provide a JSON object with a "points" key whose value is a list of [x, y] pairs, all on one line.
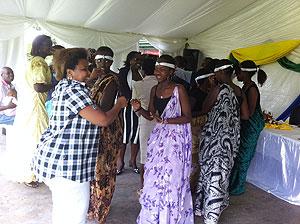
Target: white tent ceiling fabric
{"points": [[214, 26]]}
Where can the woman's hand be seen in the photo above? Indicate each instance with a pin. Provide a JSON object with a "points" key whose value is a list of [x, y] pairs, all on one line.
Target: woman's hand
{"points": [[97, 72], [136, 104], [156, 117], [122, 101]]}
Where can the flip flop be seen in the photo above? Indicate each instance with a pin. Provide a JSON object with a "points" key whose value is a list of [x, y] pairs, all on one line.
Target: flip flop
{"points": [[119, 171], [32, 184], [136, 170]]}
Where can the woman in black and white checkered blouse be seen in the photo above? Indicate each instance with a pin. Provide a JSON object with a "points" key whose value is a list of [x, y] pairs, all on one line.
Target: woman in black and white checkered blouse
{"points": [[66, 155]]}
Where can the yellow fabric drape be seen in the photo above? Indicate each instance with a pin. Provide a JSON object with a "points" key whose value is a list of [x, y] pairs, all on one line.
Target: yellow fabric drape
{"points": [[265, 53]]}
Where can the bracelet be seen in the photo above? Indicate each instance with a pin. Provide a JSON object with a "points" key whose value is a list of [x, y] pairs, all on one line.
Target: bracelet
{"points": [[138, 109], [165, 121]]}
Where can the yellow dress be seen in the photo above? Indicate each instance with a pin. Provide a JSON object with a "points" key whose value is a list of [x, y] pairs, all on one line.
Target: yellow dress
{"points": [[31, 120]]}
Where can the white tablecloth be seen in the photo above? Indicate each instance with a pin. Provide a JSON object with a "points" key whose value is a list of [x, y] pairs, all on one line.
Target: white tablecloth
{"points": [[275, 167]]}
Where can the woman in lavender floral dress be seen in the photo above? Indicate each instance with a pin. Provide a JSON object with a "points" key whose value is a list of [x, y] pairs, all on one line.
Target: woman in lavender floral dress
{"points": [[166, 196]]}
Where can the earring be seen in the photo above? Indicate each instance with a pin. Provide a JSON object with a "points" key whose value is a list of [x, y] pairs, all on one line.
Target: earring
{"points": [[69, 78]]}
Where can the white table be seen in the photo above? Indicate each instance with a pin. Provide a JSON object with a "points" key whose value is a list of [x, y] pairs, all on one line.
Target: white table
{"points": [[275, 167]]}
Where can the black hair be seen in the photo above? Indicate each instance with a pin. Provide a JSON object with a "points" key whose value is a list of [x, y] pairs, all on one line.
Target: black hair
{"points": [[68, 59], [208, 62], [222, 62], [148, 66], [203, 71], [180, 62], [106, 49], [36, 44], [166, 58], [8, 69], [130, 56], [261, 75], [57, 47]]}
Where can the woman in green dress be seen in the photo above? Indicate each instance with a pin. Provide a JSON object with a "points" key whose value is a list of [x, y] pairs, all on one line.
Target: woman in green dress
{"points": [[251, 128]]}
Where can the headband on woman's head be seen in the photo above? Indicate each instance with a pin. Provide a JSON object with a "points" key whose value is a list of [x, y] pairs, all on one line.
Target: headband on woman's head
{"points": [[249, 69], [169, 65], [100, 56], [222, 67], [204, 76]]}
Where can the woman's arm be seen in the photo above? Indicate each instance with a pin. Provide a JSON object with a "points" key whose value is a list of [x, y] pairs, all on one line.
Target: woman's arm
{"points": [[100, 118], [108, 96], [210, 100], [252, 100], [9, 106], [244, 107], [136, 105]]}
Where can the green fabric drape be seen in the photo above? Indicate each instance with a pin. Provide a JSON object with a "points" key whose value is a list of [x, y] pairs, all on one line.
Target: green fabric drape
{"points": [[286, 63]]}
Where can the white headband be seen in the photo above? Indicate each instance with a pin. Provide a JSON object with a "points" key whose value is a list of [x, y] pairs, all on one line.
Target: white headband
{"points": [[204, 76], [250, 69], [169, 65], [222, 68], [100, 56]]}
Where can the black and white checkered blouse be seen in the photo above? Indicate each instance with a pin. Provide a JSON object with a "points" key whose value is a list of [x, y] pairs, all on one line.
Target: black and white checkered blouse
{"points": [[69, 146]]}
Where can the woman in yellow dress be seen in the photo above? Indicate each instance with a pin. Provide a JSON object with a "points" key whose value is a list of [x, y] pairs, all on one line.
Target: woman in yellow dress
{"points": [[31, 116]]}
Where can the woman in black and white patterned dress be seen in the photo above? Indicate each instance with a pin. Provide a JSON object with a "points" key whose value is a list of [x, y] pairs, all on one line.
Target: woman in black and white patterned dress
{"points": [[219, 145]]}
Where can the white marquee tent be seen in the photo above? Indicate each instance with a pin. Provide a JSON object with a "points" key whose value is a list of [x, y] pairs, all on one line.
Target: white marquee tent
{"points": [[215, 27]]}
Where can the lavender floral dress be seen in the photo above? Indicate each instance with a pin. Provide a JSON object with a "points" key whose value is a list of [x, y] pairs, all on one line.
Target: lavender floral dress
{"points": [[166, 197]]}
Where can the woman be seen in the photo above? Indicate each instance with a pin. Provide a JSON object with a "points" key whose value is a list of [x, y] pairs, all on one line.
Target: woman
{"points": [[104, 92], [166, 196], [31, 117], [219, 145], [141, 90], [251, 128], [7, 76], [66, 155], [197, 94], [129, 74]]}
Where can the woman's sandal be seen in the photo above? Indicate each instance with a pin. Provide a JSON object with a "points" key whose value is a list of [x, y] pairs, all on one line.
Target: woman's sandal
{"points": [[134, 169], [32, 184], [119, 171]]}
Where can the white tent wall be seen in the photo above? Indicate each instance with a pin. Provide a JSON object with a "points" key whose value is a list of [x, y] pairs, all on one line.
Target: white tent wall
{"points": [[261, 22]]}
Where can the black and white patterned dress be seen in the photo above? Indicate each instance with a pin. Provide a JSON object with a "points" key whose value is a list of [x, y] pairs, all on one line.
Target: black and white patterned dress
{"points": [[219, 145]]}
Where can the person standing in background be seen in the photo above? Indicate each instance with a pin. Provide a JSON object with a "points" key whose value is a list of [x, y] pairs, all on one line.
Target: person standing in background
{"points": [[31, 117], [250, 128], [54, 80], [129, 74], [197, 95], [7, 76], [141, 90]]}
